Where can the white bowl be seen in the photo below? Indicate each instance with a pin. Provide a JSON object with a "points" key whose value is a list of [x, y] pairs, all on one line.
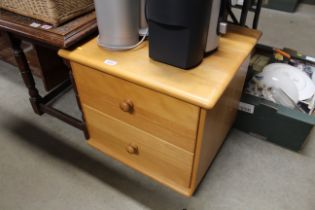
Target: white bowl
{"points": [[278, 80], [300, 79]]}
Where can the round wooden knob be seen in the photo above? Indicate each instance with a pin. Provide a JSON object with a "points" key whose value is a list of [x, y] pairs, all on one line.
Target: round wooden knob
{"points": [[132, 149], [127, 106]]}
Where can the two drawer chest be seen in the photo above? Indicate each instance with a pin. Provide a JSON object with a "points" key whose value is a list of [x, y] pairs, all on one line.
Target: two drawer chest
{"points": [[164, 122]]}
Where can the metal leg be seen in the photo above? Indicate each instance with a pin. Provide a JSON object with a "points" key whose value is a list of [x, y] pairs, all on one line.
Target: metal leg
{"points": [[26, 73], [257, 14], [245, 9], [234, 19], [225, 6]]}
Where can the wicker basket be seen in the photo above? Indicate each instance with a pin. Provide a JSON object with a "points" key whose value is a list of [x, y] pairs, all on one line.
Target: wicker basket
{"points": [[54, 12]]}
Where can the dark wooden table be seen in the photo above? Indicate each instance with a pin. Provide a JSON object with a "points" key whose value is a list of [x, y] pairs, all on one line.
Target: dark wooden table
{"points": [[56, 75]]}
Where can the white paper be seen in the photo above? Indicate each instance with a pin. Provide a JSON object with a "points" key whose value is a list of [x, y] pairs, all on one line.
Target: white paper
{"points": [[110, 62], [35, 25], [46, 27], [248, 108], [310, 59]]}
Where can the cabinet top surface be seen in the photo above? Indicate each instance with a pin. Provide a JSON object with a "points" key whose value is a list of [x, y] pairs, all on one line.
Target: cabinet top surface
{"points": [[201, 86]]}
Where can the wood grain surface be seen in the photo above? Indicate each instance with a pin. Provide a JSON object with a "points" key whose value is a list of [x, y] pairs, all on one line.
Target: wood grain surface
{"points": [[155, 157], [215, 124], [165, 122], [60, 37], [202, 86], [6, 54], [168, 118]]}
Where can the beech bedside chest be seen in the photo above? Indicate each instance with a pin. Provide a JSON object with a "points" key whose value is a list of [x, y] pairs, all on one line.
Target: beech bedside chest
{"points": [[162, 121]]}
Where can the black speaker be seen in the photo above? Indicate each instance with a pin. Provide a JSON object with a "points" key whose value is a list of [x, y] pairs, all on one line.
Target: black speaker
{"points": [[178, 31]]}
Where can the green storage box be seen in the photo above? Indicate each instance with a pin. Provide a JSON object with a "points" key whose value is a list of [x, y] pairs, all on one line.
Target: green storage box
{"points": [[272, 122], [284, 5]]}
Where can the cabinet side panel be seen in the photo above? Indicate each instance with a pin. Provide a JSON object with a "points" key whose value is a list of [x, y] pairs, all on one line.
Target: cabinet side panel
{"points": [[215, 124]]}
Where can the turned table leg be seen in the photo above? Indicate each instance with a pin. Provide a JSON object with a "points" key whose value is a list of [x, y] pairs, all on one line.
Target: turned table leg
{"points": [[41, 104], [26, 73]]}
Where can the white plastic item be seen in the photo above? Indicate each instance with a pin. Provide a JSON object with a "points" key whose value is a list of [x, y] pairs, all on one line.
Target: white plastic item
{"points": [[283, 99], [303, 83], [278, 80]]}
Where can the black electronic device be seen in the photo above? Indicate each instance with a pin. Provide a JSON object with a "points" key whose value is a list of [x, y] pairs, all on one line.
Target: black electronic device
{"points": [[181, 31]]}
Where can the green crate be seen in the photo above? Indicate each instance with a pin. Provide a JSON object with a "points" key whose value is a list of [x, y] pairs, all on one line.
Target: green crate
{"points": [[275, 123]]}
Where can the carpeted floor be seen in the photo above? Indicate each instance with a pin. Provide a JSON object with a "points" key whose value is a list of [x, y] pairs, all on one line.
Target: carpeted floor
{"points": [[46, 164]]}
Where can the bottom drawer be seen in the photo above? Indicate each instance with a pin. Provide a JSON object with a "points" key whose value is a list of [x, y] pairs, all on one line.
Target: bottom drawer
{"points": [[140, 150]]}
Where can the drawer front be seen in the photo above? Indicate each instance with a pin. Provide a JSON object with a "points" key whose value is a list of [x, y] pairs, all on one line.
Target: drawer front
{"points": [[165, 117], [138, 149]]}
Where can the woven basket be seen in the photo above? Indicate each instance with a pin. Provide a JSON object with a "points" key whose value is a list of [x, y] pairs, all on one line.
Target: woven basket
{"points": [[54, 12]]}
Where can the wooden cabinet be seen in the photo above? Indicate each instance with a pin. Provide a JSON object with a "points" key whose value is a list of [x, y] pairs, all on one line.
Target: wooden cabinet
{"points": [[164, 122], [140, 150], [165, 117]]}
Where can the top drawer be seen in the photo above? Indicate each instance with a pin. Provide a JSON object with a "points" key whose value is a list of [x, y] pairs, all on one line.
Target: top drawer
{"points": [[165, 117]]}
